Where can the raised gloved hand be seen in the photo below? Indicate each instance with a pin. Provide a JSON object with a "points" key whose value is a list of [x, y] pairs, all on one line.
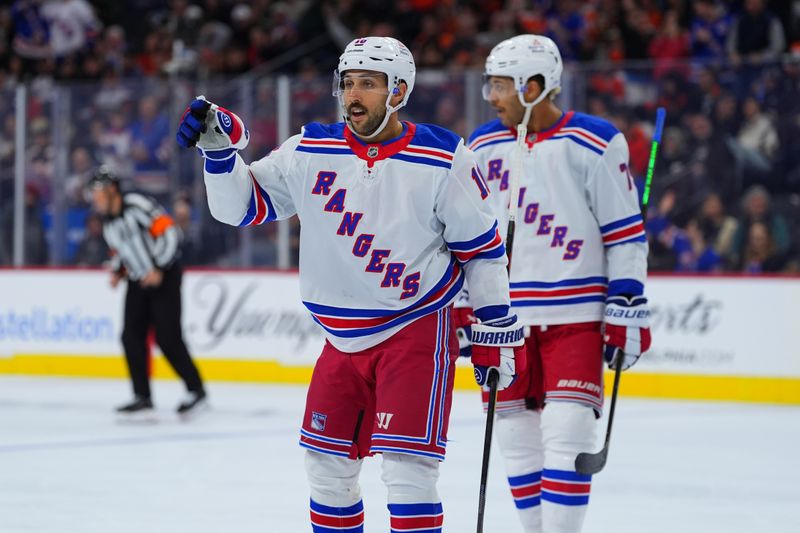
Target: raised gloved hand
{"points": [[498, 344], [217, 132], [464, 319], [627, 329]]}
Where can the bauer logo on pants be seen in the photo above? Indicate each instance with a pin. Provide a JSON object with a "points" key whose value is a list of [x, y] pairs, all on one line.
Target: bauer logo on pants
{"points": [[318, 421]]}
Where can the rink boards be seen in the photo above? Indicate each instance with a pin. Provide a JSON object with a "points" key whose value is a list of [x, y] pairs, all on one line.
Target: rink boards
{"points": [[721, 338]]}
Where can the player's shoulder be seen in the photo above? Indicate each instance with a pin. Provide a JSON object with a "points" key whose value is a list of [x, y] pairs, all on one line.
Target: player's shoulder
{"points": [[490, 134], [317, 130], [317, 138], [597, 127], [436, 137]]}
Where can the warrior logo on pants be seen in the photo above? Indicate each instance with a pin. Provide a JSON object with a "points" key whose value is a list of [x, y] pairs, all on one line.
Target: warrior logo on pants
{"points": [[384, 419]]}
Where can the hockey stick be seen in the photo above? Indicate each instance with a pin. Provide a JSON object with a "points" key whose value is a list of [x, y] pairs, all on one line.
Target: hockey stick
{"points": [[494, 376], [592, 463]]}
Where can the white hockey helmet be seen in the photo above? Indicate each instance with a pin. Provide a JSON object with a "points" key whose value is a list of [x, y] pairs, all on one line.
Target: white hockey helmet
{"points": [[522, 57], [379, 54]]}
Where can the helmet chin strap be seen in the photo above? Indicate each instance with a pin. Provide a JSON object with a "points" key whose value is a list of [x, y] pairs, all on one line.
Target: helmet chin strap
{"points": [[379, 129], [522, 127]]}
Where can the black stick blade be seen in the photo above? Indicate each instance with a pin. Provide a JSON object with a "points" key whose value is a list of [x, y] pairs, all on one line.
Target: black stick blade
{"points": [[589, 464]]}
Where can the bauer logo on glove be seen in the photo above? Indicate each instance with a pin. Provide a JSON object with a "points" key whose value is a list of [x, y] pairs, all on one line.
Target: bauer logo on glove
{"points": [[627, 329]]}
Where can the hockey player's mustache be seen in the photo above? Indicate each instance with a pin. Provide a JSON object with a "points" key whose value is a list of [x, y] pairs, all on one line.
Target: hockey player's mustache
{"points": [[357, 108]]}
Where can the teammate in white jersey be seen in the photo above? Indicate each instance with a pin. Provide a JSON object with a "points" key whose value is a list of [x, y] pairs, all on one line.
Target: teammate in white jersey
{"points": [[577, 275], [394, 217]]}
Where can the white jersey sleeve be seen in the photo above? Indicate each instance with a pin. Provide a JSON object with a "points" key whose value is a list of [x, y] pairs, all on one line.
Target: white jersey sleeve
{"points": [[471, 233], [252, 194], [614, 200]]}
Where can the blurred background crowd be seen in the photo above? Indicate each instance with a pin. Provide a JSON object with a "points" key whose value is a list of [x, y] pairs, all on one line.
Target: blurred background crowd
{"points": [[106, 82]]}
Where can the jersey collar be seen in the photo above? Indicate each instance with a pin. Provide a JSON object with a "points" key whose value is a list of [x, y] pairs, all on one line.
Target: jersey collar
{"points": [[543, 135], [376, 151]]}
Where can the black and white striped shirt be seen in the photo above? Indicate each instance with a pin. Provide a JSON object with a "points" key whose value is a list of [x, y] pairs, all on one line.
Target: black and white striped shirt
{"points": [[142, 236]]}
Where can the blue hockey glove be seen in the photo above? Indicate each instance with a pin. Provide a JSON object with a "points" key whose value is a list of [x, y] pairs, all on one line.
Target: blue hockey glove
{"points": [[217, 132]]}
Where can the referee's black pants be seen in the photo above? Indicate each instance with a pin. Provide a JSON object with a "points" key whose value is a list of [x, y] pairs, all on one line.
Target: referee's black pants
{"points": [[159, 307]]}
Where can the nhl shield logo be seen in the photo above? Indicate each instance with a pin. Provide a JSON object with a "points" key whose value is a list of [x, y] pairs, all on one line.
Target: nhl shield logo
{"points": [[372, 151], [318, 421]]}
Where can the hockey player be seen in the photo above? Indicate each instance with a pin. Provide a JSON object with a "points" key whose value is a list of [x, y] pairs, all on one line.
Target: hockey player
{"points": [[577, 275], [394, 217]]}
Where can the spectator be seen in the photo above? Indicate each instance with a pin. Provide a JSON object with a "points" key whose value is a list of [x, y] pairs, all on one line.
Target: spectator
{"points": [[72, 25], [34, 244], [756, 209], [150, 145], [756, 35], [191, 245], [32, 33], [761, 253], [82, 171], [92, 250], [717, 227], [757, 132], [709, 30], [693, 252], [670, 44]]}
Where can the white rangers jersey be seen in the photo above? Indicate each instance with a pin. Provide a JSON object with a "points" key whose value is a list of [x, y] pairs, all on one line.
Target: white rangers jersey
{"points": [[579, 233], [388, 231]]}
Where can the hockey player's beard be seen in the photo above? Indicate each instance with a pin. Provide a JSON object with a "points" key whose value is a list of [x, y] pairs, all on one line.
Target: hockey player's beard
{"points": [[369, 125]]}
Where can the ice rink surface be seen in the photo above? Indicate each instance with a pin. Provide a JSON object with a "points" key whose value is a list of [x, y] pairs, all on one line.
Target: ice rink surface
{"points": [[67, 466]]}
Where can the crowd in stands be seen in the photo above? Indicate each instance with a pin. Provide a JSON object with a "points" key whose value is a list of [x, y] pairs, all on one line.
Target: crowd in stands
{"points": [[727, 191]]}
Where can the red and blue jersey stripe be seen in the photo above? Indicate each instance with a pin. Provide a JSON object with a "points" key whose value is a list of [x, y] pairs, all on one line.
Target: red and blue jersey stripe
{"points": [[563, 292], [260, 208], [622, 231], [433, 443], [488, 245], [490, 134], [348, 322], [420, 143]]}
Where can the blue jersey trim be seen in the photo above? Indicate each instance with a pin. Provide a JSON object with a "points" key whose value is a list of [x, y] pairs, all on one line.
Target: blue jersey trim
{"points": [[640, 238], [403, 318], [488, 127], [316, 130], [598, 126], [348, 312], [628, 287], [496, 141], [491, 312], [620, 223], [422, 160], [477, 242], [577, 140], [562, 283], [316, 150], [223, 166], [554, 302], [431, 136]]}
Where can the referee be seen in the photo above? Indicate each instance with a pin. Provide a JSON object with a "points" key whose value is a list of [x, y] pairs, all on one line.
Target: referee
{"points": [[144, 243]]}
